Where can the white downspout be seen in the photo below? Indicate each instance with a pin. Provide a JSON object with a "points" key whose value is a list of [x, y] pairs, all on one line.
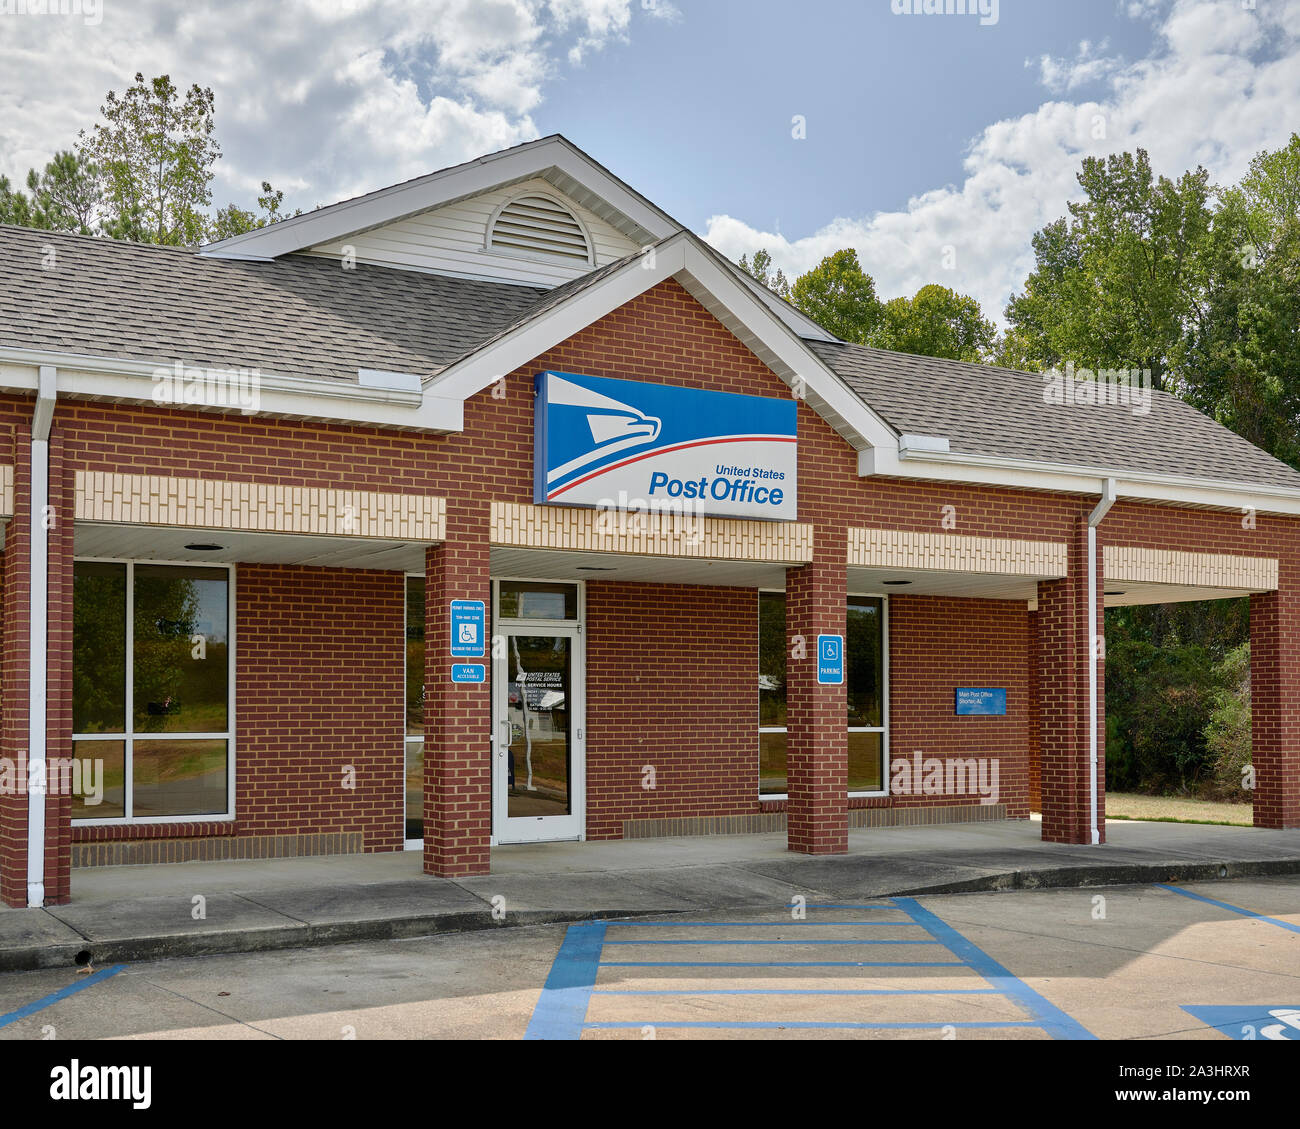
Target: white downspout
{"points": [[1108, 495], [38, 637]]}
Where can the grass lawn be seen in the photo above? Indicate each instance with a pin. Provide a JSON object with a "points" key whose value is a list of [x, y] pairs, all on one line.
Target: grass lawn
{"points": [[1175, 809]]}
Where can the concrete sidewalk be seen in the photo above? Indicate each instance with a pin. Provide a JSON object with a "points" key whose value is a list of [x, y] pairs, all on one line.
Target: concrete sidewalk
{"points": [[147, 912]]}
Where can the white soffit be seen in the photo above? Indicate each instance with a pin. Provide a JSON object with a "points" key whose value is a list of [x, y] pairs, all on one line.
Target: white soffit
{"points": [[149, 542]]}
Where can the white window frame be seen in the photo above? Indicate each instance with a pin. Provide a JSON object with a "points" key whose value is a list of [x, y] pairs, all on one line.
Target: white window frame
{"points": [[883, 728], [128, 735]]}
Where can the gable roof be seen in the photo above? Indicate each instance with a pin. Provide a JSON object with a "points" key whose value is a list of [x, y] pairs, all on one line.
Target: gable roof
{"points": [[1000, 413], [554, 158]]}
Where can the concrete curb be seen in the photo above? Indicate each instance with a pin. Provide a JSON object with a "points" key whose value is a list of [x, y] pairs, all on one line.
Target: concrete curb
{"points": [[305, 935]]}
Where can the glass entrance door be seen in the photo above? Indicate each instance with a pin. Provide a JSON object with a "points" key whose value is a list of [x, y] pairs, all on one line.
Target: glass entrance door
{"points": [[537, 741]]}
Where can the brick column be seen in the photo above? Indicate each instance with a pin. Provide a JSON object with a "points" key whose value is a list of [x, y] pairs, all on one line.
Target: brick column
{"points": [[1275, 701], [14, 667], [1064, 649], [817, 738], [58, 676], [457, 716]]}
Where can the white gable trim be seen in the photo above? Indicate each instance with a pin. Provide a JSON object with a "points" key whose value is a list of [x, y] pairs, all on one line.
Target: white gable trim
{"points": [[387, 205], [713, 283]]}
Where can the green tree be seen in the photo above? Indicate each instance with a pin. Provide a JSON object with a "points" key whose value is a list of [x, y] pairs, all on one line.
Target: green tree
{"points": [[760, 269], [1116, 285], [936, 322], [233, 220], [157, 153], [840, 296], [1240, 361]]}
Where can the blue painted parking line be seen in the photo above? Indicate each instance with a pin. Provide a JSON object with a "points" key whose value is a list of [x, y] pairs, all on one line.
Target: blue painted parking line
{"points": [[561, 1012], [62, 994], [783, 1024], [781, 964], [562, 1006], [795, 992], [753, 924], [817, 941], [839, 905], [1229, 906], [1047, 1015]]}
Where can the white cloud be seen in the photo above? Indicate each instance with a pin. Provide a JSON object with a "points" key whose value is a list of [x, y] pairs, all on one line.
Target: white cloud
{"points": [[325, 98], [1207, 96]]}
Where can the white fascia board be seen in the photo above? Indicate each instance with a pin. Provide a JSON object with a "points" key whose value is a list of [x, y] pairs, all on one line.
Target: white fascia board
{"points": [[110, 378], [778, 346], [389, 205], [1059, 478]]}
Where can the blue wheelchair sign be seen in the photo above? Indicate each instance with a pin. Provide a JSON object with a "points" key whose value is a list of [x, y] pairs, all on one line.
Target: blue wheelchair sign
{"points": [[830, 660]]}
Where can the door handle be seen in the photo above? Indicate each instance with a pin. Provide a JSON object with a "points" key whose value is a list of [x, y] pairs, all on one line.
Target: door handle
{"points": [[503, 743]]}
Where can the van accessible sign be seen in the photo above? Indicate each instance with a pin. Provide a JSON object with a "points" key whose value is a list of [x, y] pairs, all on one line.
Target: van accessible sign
{"points": [[624, 444]]}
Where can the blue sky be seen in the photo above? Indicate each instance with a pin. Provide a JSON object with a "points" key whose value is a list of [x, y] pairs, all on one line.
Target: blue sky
{"points": [[936, 145], [891, 101]]}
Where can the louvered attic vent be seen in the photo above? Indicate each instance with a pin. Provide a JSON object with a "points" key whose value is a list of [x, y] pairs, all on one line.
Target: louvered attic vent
{"points": [[534, 225]]}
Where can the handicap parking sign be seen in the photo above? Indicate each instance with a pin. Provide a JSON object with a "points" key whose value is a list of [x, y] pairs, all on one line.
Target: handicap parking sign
{"points": [[1279, 1023], [468, 624], [830, 660]]}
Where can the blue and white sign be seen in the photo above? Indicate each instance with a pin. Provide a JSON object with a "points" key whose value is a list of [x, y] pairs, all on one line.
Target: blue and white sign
{"points": [[468, 672], [980, 701], [624, 444], [468, 625], [830, 660], [1279, 1023]]}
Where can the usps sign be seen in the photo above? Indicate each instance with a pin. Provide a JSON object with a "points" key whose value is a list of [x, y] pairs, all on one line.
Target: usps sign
{"points": [[622, 444]]}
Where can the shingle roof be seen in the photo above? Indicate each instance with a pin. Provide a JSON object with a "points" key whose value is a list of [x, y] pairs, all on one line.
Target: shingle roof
{"points": [[983, 410], [295, 316]]}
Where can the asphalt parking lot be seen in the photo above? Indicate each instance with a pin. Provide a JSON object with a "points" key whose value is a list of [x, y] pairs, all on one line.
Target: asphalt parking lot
{"points": [[1214, 961]]}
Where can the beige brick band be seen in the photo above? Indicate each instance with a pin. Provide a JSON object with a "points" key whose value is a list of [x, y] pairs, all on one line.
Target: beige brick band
{"points": [[201, 503], [948, 552], [1197, 570], [6, 491], [519, 526]]}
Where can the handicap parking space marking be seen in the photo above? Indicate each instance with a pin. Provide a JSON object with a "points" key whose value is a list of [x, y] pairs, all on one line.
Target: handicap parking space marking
{"points": [[1280, 1023], [62, 994], [1292, 927], [562, 1008]]}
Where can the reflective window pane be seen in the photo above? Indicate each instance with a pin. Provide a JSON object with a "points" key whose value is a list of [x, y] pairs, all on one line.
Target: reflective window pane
{"points": [[771, 764], [99, 779], [415, 656], [98, 647], [864, 672], [535, 600], [180, 661], [415, 789], [539, 669], [172, 778], [866, 762], [771, 658]]}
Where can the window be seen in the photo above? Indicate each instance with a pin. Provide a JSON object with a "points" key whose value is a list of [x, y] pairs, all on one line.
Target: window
{"points": [[539, 227], [151, 691], [415, 710], [525, 599], [867, 694]]}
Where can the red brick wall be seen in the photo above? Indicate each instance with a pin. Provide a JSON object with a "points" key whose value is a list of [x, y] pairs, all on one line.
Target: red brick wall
{"points": [[319, 657], [662, 336], [938, 644], [672, 683], [14, 676]]}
